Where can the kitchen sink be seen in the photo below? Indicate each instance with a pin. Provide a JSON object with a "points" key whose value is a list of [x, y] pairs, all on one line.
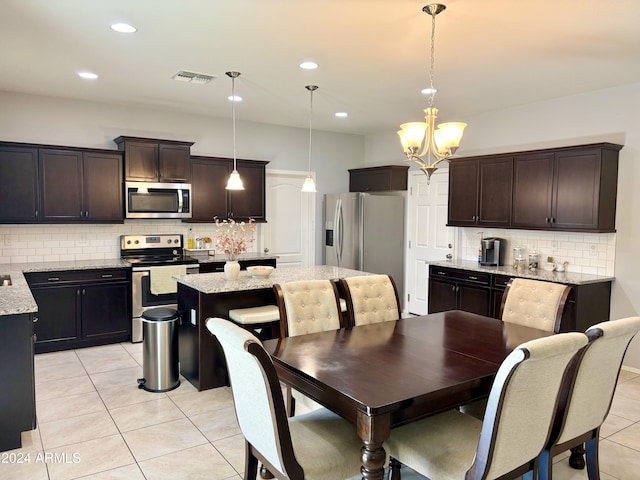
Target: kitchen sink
{"points": [[5, 280]]}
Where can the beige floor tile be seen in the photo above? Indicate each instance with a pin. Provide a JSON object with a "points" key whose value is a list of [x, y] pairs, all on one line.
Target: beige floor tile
{"points": [[562, 471], [626, 407], [145, 414], [76, 429], [198, 463], [129, 472], [200, 402], [17, 465], [107, 364], [90, 457], [158, 440], [101, 351], [629, 437], [71, 406], [217, 424], [626, 375], [55, 358], [50, 373], [619, 461], [127, 395], [629, 389], [30, 442], [232, 448], [134, 349], [116, 378], [64, 387], [613, 424]]}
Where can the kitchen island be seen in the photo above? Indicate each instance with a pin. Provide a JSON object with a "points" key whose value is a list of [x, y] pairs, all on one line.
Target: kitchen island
{"points": [[205, 295]]}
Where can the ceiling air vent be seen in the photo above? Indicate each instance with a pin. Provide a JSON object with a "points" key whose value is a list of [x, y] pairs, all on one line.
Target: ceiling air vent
{"points": [[192, 77]]}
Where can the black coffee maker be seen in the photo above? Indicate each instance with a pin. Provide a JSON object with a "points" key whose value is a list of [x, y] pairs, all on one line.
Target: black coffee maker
{"points": [[493, 251]]}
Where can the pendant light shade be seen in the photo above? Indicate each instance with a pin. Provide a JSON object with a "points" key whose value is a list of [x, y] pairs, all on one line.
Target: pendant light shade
{"points": [[309, 185], [234, 182]]}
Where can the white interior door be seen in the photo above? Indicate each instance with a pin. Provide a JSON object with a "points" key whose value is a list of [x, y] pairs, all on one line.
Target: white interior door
{"points": [[429, 237], [288, 233]]}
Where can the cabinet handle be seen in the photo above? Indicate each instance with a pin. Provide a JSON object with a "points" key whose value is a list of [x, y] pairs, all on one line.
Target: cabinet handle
{"points": [[453, 289], [442, 273], [53, 279], [84, 291], [35, 319], [36, 215], [106, 275], [553, 219], [78, 293], [473, 278]]}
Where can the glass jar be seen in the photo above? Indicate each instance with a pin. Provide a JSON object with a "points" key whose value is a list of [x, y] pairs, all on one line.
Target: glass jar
{"points": [[534, 259]]}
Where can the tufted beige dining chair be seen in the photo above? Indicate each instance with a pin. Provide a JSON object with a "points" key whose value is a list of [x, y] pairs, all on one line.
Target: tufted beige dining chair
{"points": [[587, 397], [308, 306], [371, 299], [516, 425], [316, 446], [534, 303]]}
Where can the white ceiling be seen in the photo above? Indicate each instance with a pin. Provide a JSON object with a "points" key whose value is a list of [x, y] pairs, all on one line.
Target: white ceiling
{"points": [[373, 55]]}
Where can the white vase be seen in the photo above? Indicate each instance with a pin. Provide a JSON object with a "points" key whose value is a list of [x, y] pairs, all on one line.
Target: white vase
{"points": [[232, 269]]}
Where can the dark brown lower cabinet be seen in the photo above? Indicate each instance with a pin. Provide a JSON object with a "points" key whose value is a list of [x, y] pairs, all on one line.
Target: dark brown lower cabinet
{"points": [[81, 308], [17, 397], [450, 289], [219, 266]]}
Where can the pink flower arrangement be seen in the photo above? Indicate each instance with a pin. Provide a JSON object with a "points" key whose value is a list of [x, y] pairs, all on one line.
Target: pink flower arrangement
{"points": [[234, 238]]}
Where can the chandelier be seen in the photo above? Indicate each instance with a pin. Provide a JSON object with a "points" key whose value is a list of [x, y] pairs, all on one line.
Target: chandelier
{"points": [[309, 185], [234, 182], [437, 143]]}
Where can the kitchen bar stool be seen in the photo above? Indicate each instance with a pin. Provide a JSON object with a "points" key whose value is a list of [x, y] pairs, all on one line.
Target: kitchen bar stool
{"points": [[265, 319]]}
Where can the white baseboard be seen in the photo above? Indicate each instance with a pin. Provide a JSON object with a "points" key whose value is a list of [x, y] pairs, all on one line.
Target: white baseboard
{"points": [[631, 369]]}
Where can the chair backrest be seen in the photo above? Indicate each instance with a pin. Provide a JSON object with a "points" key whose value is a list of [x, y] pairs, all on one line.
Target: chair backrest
{"points": [[534, 303], [256, 395], [308, 306], [522, 403], [371, 299], [594, 382]]}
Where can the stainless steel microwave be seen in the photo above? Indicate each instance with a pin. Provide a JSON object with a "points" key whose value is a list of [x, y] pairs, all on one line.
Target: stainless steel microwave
{"points": [[157, 200]]}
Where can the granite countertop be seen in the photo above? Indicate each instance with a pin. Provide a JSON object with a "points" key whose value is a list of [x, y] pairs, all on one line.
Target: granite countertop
{"points": [[220, 257], [539, 274], [17, 298], [218, 283]]}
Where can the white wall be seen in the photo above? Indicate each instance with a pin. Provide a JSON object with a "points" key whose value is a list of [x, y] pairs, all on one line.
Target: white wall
{"points": [[47, 120], [605, 115]]}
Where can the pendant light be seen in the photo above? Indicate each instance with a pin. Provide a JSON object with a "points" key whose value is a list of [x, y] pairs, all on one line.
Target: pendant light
{"points": [[309, 185], [234, 182]]}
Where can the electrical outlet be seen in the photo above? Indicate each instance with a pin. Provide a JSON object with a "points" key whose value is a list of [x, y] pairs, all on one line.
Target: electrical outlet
{"points": [[593, 250]]}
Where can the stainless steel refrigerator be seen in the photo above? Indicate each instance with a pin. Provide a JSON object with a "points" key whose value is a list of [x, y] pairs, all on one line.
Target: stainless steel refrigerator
{"points": [[365, 231]]}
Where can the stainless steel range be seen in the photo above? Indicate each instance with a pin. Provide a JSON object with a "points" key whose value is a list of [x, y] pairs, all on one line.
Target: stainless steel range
{"points": [[146, 253]]}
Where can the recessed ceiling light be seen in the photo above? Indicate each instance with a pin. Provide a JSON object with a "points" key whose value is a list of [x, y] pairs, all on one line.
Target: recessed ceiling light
{"points": [[309, 65], [429, 91], [342, 114], [235, 98], [87, 75], [123, 28]]}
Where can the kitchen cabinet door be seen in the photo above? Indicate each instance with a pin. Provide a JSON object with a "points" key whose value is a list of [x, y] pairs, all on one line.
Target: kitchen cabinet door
{"points": [[102, 182], [19, 202], [495, 191], [532, 190], [209, 197], [60, 185], [463, 192], [442, 296], [57, 322], [105, 310], [174, 163], [250, 202], [155, 160], [141, 160]]}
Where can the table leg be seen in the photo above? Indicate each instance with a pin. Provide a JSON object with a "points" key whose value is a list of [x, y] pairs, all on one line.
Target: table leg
{"points": [[373, 430]]}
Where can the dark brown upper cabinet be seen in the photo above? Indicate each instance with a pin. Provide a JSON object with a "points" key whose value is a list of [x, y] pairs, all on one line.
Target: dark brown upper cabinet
{"points": [[19, 202], [480, 191], [378, 179], [570, 189], [211, 199], [154, 160], [80, 186]]}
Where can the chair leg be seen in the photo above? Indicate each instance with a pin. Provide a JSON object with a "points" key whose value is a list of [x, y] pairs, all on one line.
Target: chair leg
{"points": [[250, 463], [593, 463], [545, 465], [265, 473], [289, 402], [394, 469], [576, 459]]}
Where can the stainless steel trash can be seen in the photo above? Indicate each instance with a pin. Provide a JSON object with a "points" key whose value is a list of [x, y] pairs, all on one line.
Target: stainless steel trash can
{"points": [[160, 350]]}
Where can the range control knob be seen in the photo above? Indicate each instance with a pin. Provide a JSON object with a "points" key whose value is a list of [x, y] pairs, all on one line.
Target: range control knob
{"points": [[169, 241], [128, 242], [137, 242]]}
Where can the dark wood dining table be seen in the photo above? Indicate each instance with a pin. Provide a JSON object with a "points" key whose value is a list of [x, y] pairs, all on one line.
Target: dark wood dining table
{"points": [[388, 374]]}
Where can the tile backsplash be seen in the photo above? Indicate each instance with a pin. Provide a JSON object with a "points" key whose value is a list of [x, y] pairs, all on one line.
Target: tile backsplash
{"points": [[592, 253], [46, 243]]}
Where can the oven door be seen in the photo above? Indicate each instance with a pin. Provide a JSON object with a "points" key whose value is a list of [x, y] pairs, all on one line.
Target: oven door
{"points": [[142, 299]]}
